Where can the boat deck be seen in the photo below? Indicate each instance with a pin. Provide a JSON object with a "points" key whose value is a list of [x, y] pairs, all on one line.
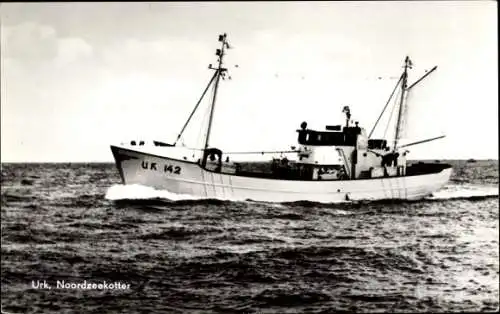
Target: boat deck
{"points": [[265, 170]]}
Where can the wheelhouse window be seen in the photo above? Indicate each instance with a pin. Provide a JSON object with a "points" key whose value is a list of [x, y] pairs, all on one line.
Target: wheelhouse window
{"points": [[310, 137], [377, 144]]}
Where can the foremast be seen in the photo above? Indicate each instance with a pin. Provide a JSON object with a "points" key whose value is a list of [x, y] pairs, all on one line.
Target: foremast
{"points": [[219, 73]]}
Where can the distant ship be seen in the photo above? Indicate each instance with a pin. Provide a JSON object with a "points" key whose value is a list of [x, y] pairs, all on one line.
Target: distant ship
{"points": [[339, 163]]}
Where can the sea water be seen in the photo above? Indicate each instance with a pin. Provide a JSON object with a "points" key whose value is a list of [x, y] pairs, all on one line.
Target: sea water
{"points": [[75, 240]]}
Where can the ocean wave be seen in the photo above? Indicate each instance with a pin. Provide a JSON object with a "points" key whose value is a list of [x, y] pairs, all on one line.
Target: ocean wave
{"points": [[8, 198], [137, 191], [147, 196], [131, 192], [465, 191], [185, 254]]}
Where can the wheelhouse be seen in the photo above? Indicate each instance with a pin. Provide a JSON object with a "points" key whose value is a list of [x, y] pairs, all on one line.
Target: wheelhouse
{"points": [[347, 137]]}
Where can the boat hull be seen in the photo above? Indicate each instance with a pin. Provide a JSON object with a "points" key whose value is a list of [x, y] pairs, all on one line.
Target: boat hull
{"points": [[187, 177]]}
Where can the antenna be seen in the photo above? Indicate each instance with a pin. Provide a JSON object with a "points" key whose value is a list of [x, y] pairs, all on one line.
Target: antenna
{"points": [[347, 112]]}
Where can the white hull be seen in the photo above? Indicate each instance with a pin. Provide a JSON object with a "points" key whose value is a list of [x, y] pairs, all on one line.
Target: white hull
{"points": [[186, 177]]}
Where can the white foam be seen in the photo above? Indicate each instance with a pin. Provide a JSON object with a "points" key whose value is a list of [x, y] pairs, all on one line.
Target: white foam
{"points": [[141, 192], [137, 191], [339, 212], [464, 191]]}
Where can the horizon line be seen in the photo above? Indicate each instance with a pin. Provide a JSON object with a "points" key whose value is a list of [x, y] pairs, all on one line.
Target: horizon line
{"points": [[112, 162]]}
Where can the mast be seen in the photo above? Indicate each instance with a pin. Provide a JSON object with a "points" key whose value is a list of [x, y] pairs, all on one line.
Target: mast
{"points": [[404, 77], [219, 71]]}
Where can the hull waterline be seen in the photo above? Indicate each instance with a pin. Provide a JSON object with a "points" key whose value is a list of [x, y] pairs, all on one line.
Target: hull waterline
{"points": [[187, 177]]}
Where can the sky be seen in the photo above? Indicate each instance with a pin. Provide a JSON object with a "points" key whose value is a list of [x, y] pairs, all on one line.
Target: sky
{"points": [[77, 77]]}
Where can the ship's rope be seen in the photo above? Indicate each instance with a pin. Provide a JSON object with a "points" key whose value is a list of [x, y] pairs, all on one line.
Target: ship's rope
{"points": [[405, 117], [384, 188], [249, 153], [202, 132], [385, 107], [391, 114]]}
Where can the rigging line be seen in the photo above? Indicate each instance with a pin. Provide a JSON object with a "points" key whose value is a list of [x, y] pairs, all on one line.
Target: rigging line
{"points": [[202, 131], [423, 141], [196, 107], [235, 153], [386, 104], [209, 115], [390, 117], [404, 117], [420, 79], [263, 152], [192, 148]]}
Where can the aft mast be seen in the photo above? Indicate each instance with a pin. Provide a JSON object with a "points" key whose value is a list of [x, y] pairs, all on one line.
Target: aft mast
{"points": [[404, 79]]}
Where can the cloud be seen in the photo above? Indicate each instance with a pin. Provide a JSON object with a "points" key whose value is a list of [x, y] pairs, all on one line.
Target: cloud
{"points": [[43, 85], [71, 49], [29, 42], [156, 57], [69, 87], [33, 44]]}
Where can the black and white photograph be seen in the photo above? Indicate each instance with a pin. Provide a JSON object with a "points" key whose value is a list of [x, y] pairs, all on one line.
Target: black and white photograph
{"points": [[249, 157]]}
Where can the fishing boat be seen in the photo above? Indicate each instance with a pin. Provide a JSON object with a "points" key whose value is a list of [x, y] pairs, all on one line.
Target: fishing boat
{"points": [[339, 163]]}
